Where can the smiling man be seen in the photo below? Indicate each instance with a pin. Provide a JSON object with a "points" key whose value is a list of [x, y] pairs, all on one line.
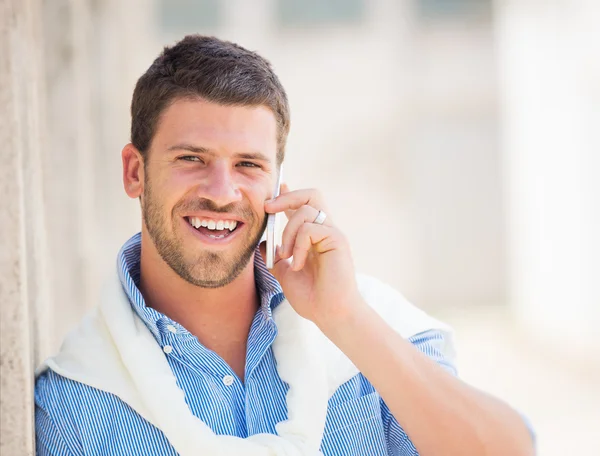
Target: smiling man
{"points": [[197, 349]]}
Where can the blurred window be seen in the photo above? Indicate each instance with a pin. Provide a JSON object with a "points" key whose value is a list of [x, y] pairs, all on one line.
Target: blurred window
{"points": [[189, 15], [295, 13], [453, 8]]}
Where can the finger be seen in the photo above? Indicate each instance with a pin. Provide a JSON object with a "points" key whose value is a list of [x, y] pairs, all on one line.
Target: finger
{"points": [[300, 217], [294, 200], [285, 189], [319, 238]]}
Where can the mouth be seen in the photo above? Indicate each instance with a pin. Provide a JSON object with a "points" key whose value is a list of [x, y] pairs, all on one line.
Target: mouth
{"points": [[214, 230]]}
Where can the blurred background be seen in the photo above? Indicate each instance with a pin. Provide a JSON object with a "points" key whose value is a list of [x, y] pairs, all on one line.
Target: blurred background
{"points": [[456, 141]]}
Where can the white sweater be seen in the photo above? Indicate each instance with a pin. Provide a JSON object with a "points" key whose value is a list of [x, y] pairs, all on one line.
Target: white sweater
{"points": [[113, 350]]}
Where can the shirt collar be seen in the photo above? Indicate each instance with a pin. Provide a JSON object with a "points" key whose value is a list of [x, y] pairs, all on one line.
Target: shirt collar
{"points": [[128, 263]]}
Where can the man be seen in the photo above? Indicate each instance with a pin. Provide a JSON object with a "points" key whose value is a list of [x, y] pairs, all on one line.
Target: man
{"points": [[196, 348]]}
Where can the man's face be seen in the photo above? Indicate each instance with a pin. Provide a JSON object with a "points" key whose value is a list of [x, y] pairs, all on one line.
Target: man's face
{"points": [[208, 172]]}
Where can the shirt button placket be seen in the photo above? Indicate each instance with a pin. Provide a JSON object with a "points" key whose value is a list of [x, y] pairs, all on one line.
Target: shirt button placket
{"points": [[228, 380]]}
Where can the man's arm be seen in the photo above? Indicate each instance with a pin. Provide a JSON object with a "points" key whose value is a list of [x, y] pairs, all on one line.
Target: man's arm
{"points": [[48, 440], [49, 414], [440, 413]]}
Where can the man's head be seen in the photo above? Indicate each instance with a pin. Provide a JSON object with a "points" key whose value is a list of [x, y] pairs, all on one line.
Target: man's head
{"points": [[209, 125], [217, 71]]}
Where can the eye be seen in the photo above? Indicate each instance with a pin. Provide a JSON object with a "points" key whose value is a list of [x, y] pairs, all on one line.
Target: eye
{"points": [[190, 158], [248, 165]]}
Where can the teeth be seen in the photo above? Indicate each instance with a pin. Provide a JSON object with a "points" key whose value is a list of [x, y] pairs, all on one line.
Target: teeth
{"points": [[212, 224]]}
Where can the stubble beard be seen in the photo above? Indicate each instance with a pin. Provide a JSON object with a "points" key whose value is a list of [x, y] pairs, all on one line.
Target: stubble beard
{"points": [[206, 269]]}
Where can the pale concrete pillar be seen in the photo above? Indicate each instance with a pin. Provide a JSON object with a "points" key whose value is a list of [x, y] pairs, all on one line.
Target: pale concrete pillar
{"points": [[550, 68], [23, 292], [124, 44], [67, 70], [69, 172], [94, 52]]}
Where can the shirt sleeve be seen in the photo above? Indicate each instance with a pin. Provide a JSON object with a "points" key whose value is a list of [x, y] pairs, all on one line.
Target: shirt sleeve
{"points": [[48, 440], [51, 437]]}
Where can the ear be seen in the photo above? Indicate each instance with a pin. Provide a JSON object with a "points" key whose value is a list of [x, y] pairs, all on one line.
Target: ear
{"points": [[133, 171]]}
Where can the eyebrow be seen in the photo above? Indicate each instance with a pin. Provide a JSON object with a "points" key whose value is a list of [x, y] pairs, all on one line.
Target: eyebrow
{"points": [[196, 149], [203, 150]]}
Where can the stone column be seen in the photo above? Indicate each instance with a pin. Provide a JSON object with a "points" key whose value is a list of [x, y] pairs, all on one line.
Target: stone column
{"points": [[69, 174], [94, 52], [124, 45], [67, 69], [23, 293]]}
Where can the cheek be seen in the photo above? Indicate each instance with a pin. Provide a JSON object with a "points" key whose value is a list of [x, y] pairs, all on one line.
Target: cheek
{"points": [[164, 192], [257, 195]]}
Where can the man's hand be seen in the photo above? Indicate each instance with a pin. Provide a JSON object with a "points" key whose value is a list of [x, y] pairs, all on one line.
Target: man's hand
{"points": [[320, 283]]}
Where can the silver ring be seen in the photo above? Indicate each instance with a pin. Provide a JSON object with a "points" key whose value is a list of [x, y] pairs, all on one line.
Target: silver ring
{"points": [[321, 216]]}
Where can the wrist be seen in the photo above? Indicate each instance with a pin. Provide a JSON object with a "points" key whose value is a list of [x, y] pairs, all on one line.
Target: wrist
{"points": [[345, 316]]}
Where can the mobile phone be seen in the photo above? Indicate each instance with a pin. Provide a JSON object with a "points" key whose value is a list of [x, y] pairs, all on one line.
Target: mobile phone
{"points": [[272, 225]]}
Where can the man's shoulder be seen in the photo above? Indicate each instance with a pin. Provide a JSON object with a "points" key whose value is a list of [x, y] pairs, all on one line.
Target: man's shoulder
{"points": [[74, 403], [68, 399], [55, 392]]}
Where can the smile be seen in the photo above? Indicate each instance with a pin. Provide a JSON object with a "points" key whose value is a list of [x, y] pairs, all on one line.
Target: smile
{"points": [[212, 228]]}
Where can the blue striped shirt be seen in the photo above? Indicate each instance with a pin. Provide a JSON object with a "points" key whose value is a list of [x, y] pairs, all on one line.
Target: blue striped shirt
{"points": [[72, 418]]}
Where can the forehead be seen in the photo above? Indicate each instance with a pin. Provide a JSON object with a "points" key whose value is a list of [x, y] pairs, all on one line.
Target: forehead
{"points": [[218, 127]]}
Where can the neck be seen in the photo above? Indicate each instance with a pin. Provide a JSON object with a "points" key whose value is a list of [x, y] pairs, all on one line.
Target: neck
{"points": [[219, 317]]}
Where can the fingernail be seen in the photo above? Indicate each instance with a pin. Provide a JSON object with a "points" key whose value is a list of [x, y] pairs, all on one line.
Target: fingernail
{"points": [[293, 261]]}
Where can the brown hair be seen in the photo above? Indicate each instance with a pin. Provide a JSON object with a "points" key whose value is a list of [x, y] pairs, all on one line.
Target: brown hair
{"points": [[212, 69]]}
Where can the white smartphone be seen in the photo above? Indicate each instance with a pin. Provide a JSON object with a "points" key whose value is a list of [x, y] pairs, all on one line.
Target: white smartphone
{"points": [[272, 225]]}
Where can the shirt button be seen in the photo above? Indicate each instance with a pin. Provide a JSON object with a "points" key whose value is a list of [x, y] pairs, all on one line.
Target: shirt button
{"points": [[171, 328], [167, 349], [228, 380]]}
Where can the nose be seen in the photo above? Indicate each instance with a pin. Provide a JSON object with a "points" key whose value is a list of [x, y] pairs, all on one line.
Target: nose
{"points": [[220, 185]]}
